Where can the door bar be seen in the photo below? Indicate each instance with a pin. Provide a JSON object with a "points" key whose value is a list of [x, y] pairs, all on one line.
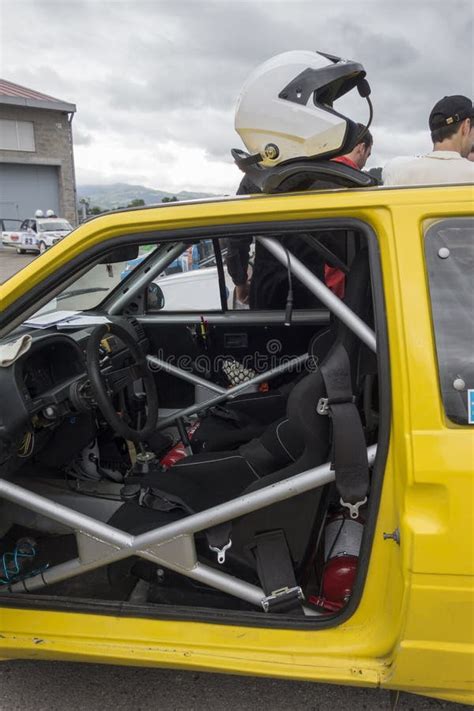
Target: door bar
{"points": [[315, 285], [100, 544]]}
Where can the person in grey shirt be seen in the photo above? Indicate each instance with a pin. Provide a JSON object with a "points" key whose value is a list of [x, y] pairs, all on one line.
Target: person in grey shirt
{"points": [[451, 124]]}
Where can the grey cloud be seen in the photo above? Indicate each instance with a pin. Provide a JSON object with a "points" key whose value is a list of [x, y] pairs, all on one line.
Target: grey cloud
{"points": [[81, 137], [158, 72]]}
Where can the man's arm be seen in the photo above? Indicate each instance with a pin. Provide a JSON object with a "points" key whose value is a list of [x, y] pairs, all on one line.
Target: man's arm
{"points": [[238, 249], [237, 258]]}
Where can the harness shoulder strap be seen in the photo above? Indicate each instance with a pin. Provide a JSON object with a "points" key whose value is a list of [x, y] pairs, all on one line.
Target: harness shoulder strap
{"points": [[349, 449]]}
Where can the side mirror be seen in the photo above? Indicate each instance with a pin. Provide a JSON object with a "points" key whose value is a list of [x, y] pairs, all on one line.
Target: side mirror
{"points": [[120, 254], [155, 298]]}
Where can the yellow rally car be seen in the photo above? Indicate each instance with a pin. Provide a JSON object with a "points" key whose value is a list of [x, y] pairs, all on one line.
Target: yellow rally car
{"points": [[285, 492]]}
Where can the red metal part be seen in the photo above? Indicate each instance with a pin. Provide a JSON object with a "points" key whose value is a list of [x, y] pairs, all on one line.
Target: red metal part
{"points": [[178, 451], [325, 604]]}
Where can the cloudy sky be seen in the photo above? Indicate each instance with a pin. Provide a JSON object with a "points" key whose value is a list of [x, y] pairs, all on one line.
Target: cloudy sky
{"points": [[155, 82]]}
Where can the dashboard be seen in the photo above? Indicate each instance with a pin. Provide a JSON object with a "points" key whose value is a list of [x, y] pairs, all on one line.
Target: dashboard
{"points": [[48, 387], [56, 362]]}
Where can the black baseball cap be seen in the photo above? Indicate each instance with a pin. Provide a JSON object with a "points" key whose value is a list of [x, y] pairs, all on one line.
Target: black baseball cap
{"points": [[449, 110]]}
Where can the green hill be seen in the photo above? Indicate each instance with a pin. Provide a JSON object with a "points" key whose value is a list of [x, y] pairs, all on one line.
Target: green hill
{"points": [[109, 197]]}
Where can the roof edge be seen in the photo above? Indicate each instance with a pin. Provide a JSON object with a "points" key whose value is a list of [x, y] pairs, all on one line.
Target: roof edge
{"points": [[37, 103]]}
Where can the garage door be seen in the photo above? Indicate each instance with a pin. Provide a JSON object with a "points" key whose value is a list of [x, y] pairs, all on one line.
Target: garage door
{"points": [[27, 188]]}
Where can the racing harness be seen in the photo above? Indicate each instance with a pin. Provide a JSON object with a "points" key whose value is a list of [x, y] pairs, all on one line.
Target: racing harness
{"points": [[272, 554]]}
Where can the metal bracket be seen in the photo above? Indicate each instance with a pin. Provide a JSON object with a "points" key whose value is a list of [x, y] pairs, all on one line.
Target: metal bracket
{"points": [[92, 549], [353, 508], [178, 552], [221, 551]]}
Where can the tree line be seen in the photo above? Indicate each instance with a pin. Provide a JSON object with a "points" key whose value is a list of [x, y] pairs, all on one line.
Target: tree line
{"points": [[96, 210]]}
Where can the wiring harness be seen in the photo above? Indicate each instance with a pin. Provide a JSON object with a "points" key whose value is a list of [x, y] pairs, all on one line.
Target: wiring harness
{"points": [[13, 563]]}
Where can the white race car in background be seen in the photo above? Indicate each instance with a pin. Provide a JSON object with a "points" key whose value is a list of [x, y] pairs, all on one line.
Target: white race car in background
{"points": [[37, 234], [199, 287], [10, 229]]}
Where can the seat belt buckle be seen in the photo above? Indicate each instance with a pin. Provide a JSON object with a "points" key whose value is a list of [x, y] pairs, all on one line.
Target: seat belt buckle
{"points": [[325, 403], [353, 508], [283, 595], [323, 406], [221, 551]]}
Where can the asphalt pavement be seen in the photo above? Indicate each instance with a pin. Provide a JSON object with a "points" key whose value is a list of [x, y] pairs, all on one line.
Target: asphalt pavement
{"points": [[11, 262], [55, 686], [58, 686]]}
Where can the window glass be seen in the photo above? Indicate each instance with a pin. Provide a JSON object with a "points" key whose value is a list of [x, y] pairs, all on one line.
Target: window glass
{"points": [[16, 135], [53, 226], [92, 287], [189, 283], [10, 225], [449, 248]]}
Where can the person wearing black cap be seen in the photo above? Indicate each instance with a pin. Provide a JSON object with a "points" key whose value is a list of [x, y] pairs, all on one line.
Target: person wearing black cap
{"points": [[451, 124]]}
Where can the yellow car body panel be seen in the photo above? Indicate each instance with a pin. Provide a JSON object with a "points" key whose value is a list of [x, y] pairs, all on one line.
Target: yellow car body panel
{"points": [[414, 626]]}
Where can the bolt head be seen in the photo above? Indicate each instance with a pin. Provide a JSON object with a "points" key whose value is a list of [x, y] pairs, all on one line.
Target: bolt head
{"points": [[271, 151]]}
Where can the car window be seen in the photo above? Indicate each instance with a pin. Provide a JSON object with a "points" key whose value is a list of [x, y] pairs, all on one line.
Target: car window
{"points": [[54, 225], [94, 285], [24, 225], [10, 225], [189, 283], [32, 225], [449, 250], [252, 277]]}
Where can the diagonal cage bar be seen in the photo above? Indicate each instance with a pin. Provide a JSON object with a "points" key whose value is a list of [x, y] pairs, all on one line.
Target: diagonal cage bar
{"points": [[231, 392], [155, 363], [171, 545]]}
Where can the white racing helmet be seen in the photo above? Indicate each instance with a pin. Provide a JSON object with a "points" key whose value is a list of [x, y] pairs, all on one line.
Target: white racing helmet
{"points": [[285, 109]]}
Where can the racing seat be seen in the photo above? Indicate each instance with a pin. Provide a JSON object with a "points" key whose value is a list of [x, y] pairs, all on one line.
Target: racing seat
{"points": [[248, 416], [294, 444]]}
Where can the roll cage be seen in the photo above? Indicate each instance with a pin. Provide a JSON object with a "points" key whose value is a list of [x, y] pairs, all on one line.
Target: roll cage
{"points": [[173, 544]]}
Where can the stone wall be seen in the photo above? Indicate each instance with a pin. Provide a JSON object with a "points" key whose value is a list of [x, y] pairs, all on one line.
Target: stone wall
{"points": [[53, 146]]}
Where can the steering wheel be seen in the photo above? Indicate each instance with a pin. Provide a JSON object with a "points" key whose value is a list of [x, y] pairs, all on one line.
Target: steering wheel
{"points": [[106, 383]]}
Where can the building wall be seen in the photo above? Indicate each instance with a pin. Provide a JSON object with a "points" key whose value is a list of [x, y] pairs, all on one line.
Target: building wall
{"points": [[53, 146]]}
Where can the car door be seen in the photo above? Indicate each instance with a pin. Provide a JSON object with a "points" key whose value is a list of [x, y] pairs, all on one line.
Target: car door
{"points": [[313, 648]]}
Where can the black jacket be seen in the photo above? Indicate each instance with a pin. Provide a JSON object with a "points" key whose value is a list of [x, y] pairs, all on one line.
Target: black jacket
{"points": [[269, 284]]}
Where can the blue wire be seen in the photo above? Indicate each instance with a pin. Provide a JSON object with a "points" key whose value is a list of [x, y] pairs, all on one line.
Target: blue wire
{"points": [[11, 562]]}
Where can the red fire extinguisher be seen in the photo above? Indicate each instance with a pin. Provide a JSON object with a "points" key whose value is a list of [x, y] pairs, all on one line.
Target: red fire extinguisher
{"points": [[342, 540]]}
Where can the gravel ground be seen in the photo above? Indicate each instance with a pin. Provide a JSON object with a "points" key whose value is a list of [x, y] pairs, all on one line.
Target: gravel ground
{"points": [[47, 686]]}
